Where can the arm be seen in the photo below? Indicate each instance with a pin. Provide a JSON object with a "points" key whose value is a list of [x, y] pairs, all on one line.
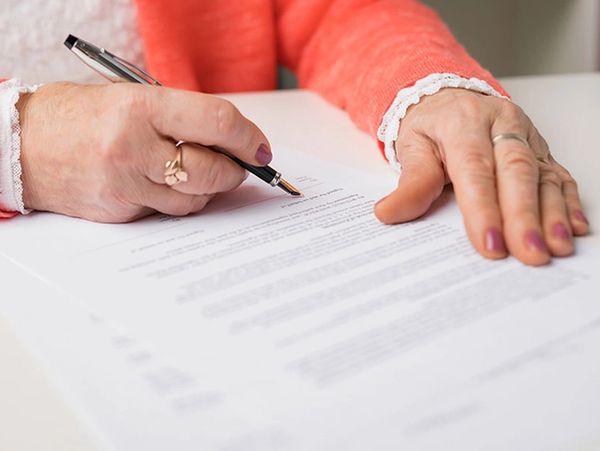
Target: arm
{"points": [[359, 54], [376, 59]]}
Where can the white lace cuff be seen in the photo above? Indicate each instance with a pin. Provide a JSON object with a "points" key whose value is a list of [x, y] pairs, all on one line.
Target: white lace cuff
{"points": [[390, 124], [11, 187]]}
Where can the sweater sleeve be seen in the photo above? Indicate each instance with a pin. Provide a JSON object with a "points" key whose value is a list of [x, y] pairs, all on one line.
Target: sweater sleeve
{"points": [[359, 54]]}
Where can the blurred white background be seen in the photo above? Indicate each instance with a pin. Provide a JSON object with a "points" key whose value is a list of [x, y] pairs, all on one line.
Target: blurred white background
{"points": [[521, 37]]}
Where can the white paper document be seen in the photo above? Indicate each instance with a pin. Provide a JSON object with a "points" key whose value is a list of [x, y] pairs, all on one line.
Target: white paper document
{"points": [[270, 322]]}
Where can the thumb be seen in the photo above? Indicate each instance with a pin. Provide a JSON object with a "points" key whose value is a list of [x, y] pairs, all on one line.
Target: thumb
{"points": [[421, 182]]}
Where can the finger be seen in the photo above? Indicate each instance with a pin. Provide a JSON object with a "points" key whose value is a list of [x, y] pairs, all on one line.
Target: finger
{"points": [[518, 192], [164, 199], [208, 172], [577, 219], [208, 120], [471, 168], [555, 222], [421, 182]]}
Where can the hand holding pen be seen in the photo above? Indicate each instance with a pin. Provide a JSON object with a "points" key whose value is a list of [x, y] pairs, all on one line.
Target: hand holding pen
{"points": [[117, 69], [99, 151]]}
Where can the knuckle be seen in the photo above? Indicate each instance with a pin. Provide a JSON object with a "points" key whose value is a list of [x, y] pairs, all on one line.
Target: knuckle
{"points": [[470, 106], [472, 109], [188, 206], [248, 141], [537, 141], [115, 214], [518, 161], [130, 99], [200, 202], [563, 172], [183, 207], [513, 112], [154, 103], [112, 154], [499, 102], [130, 216], [234, 178], [475, 181], [543, 142], [112, 145], [550, 178], [571, 185], [226, 118], [477, 163]]}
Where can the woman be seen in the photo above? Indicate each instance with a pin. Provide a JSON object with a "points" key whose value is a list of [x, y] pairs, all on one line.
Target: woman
{"points": [[98, 152]]}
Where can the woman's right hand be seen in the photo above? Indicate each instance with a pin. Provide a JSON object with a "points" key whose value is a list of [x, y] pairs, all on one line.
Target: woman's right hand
{"points": [[99, 151]]}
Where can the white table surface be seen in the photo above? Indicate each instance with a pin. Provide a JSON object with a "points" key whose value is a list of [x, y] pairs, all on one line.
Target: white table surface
{"points": [[565, 108]]}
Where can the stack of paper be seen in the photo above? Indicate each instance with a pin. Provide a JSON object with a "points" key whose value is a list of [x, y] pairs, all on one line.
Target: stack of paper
{"points": [[268, 322]]}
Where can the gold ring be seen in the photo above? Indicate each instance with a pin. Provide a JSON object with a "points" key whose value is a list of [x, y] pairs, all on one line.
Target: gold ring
{"points": [[174, 172], [496, 139]]}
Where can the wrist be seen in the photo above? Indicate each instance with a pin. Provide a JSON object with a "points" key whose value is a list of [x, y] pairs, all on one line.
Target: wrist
{"points": [[423, 90], [442, 97], [23, 109]]}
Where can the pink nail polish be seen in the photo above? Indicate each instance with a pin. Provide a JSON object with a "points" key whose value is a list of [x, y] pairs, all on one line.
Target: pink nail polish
{"points": [[494, 241], [535, 242], [263, 155], [561, 232], [581, 217]]}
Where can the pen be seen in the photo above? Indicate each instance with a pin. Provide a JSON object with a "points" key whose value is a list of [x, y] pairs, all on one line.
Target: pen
{"points": [[116, 69]]}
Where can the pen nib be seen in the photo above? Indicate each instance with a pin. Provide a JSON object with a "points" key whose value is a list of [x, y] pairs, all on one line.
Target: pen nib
{"points": [[288, 188]]}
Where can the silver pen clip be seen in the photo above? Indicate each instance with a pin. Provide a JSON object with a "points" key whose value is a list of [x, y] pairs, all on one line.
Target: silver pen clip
{"points": [[108, 65]]}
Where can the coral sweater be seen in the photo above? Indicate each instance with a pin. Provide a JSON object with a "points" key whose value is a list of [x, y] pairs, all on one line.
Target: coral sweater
{"points": [[358, 54]]}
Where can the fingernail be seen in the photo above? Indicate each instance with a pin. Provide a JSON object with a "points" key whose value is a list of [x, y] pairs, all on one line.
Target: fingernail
{"points": [[494, 241], [535, 242], [581, 217], [263, 155], [561, 232], [246, 175]]}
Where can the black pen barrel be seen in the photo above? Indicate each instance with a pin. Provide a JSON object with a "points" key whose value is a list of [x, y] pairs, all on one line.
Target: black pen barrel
{"points": [[265, 173]]}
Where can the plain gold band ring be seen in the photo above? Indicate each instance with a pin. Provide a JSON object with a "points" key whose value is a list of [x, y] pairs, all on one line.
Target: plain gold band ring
{"points": [[517, 137], [502, 136]]}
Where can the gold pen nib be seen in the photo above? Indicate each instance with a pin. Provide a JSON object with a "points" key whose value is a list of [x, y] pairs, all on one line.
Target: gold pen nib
{"points": [[288, 187]]}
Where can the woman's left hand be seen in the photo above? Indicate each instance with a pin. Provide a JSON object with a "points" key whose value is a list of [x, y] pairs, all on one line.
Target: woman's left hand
{"points": [[515, 198]]}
